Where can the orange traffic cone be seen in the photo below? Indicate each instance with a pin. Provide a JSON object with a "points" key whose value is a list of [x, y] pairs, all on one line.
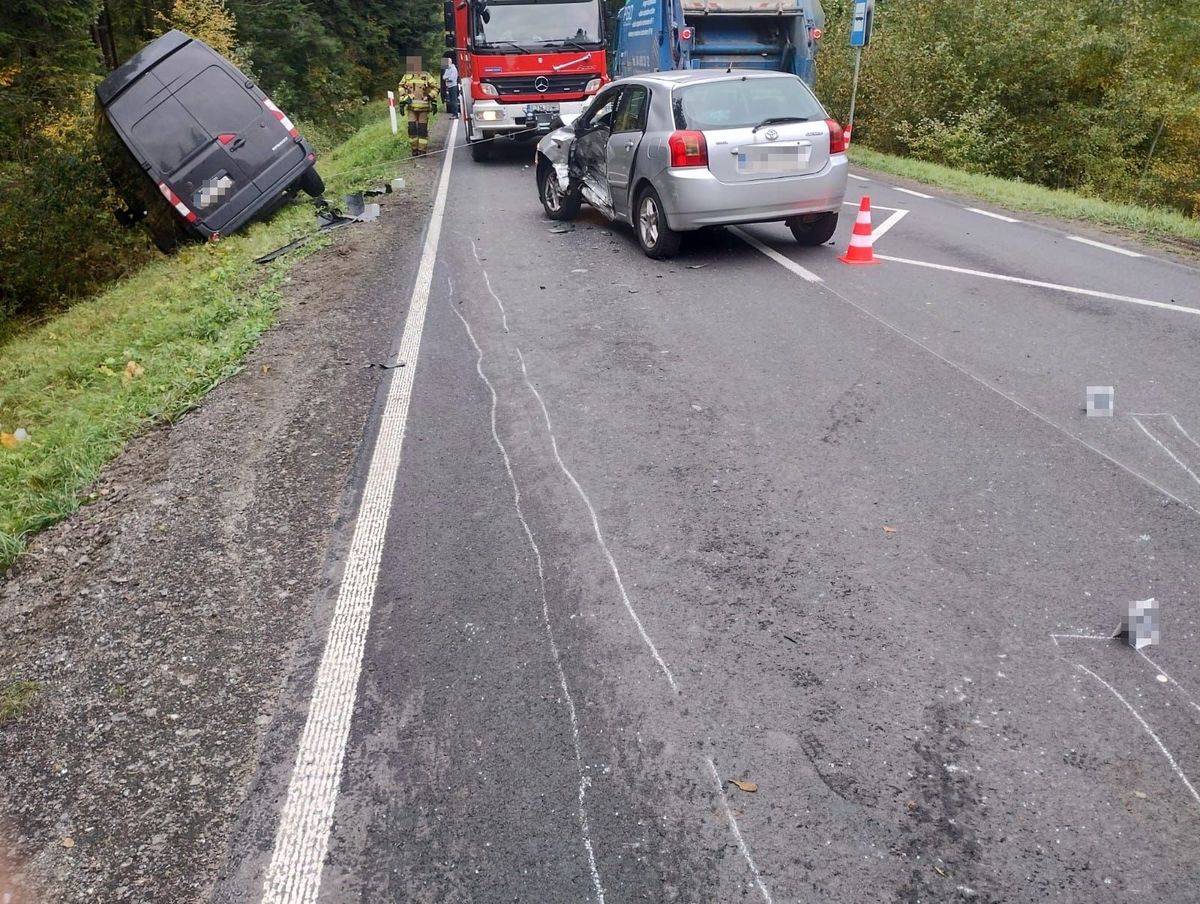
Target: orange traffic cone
{"points": [[860, 251]]}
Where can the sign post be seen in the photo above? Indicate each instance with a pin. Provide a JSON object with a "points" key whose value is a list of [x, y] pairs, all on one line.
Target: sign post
{"points": [[392, 109], [860, 37]]}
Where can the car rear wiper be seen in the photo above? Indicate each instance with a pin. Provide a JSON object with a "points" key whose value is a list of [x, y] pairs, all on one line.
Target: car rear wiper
{"points": [[775, 120]]}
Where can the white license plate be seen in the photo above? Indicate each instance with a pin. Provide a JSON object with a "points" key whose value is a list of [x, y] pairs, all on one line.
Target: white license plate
{"points": [[543, 109], [773, 159]]}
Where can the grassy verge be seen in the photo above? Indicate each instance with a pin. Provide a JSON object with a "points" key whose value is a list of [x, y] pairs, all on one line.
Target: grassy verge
{"points": [[16, 697], [146, 350], [1164, 225]]}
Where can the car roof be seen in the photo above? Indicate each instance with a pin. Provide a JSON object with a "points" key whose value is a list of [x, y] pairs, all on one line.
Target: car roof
{"points": [[695, 76]]}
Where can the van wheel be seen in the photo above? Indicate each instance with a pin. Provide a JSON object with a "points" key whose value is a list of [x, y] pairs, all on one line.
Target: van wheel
{"points": [[816, 231], [558, 204], [657, 239], [312, 183], [481, 149]]}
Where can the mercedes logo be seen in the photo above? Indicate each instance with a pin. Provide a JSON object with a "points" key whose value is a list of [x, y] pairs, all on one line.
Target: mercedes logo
{"points": [[541, 84], [771, 134]]}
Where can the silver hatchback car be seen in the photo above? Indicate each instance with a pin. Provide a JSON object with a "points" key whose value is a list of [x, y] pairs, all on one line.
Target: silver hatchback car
{"points": [[671, 152]]}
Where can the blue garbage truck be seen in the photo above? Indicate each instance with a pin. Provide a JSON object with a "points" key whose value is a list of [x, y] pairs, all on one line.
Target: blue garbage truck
{"points": [[658, 35]]}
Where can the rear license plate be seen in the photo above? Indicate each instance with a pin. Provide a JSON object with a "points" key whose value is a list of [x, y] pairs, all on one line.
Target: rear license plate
{"points": [[776, 158]]}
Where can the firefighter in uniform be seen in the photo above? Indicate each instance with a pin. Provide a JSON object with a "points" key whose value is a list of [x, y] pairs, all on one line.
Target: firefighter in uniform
{"points": [[418, 94]]}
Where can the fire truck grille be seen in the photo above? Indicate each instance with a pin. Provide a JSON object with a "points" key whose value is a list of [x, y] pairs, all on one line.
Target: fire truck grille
{"points": [[528, 86]]}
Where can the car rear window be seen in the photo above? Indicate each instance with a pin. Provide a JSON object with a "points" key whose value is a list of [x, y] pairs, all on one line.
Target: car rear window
{"points": [[738, 103]]}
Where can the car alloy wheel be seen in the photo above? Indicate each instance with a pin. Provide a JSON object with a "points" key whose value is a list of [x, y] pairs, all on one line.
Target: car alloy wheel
{"points": [[648, 222], [552, 194]]}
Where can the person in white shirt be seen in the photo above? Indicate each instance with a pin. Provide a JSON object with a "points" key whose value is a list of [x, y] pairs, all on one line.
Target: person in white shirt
{"points": [[450, 86]]}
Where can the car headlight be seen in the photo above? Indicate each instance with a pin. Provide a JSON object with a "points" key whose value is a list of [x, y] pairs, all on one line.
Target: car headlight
{"points": [[489, 115], [487, 89]]}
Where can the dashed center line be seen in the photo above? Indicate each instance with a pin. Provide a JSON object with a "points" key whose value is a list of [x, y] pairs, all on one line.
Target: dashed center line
{"points": [[994, 216], [1113, 248]]}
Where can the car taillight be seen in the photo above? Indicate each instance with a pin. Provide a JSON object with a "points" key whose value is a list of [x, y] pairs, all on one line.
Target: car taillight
{"points": [[837, 137], [487, 89], [688, 149], [593, 86]]}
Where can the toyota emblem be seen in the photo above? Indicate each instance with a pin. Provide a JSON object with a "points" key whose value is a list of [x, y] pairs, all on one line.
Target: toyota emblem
{"points": [[541, 84], [771, 134]]}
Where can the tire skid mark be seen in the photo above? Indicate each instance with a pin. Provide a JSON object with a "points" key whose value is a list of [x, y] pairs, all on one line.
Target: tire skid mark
{"points": [[581, 810]]}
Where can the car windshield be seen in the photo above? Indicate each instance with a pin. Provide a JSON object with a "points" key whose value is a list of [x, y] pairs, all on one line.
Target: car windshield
{"points": [[540, 23], [736, 103]]}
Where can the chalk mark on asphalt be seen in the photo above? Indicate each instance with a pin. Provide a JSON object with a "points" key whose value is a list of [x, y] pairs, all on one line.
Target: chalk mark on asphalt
{"points": [[1170, 759], [483, 270], [1175, 458], [1160, 671], [737, 832], [581, 810], [612, 564]]}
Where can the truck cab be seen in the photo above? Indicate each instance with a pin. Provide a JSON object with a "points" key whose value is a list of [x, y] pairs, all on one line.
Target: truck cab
{"points": [[524, 63]]}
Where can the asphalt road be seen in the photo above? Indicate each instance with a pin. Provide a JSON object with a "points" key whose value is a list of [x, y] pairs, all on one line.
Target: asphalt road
{"points": [[659, 525]]}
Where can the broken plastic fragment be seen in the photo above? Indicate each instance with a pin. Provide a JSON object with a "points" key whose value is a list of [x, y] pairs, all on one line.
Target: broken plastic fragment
{"points": [[748, 787]]}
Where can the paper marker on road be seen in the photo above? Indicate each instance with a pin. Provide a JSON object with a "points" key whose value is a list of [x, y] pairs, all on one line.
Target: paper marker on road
{"points": [[1100, 401], [994, 216], [1114, 248]]}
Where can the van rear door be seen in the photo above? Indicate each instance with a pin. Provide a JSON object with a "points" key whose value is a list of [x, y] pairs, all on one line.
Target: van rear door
{"points": [[260, 140]]}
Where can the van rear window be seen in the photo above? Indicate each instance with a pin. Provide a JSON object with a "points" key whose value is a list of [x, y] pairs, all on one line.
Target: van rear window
{"points": [[736, 103], [219, 103], [168, 135]]}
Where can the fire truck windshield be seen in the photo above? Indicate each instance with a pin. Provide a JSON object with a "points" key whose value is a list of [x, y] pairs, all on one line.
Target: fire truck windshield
{"points": [[538, 24]]}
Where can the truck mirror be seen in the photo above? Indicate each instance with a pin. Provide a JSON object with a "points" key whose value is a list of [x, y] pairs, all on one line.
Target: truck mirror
{"points": [[450, 39]]}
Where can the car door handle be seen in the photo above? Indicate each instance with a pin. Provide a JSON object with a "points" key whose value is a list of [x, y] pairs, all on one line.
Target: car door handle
{"points": [[237, 143]]}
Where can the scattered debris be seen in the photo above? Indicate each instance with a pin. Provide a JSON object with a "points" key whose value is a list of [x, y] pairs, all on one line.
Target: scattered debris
{"points": [[792, 639], [912, 806], [68, 842], [560, 229], [1140, 626], [387, 366], [748, 787], [132, 371], [941, 872], [697, 266], [397, 184], [14, 439], [889, 530], [1100, 401]]}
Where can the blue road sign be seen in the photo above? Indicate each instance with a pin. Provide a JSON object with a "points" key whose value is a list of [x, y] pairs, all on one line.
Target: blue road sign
{"points": [[860, 23]]}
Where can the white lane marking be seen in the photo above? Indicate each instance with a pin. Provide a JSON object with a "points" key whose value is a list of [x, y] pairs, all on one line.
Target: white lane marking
{"points": [[1160, 671], [1170, 759], [737, 833], [859, 178], [881, 230], [294, 873], [909, 191], [1074, 290], [499, 303], [1175, 458], [1055, 637], [994, 216], [785, 262], [581, 811], [986, 385], [1095, 244], [612, 563]]}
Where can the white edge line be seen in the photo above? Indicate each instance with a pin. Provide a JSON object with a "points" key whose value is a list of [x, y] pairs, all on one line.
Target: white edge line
{"points": [[294, 873], [554, 651], [915, 194], [994, 216], [786, 262], [612, 563], [1175, 458], [881, 230], [1113, 248], [1170, 759], [737, 833], [1110, 296]]}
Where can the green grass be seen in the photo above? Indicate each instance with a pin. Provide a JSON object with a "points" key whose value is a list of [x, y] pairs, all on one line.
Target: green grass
{"points": [[187, 322], [16, 697], [1149, 222]]}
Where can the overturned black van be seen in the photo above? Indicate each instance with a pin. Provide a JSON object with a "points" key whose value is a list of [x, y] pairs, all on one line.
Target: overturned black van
{"points": [[193, 146]]}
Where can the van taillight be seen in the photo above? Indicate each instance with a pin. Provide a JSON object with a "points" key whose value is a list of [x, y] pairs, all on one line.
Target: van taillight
{"points": [[688, 149], [837, 137]]}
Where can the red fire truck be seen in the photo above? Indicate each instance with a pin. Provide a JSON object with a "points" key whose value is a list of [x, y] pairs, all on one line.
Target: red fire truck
{"points": [[523, 63]]}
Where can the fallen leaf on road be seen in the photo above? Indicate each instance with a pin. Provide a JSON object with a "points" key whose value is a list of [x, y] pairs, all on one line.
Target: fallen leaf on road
{"points": [[266, 368], [889, 530], [748, 787], [9, 441], [133, 370], [912, 806], [68, 842]]}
